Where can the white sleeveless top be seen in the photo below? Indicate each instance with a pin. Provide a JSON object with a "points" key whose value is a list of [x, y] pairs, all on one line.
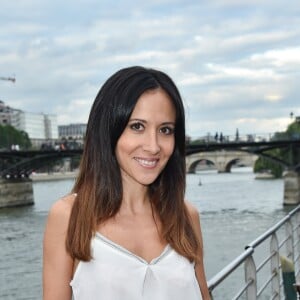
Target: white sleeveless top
{"points": [[115, 273]]}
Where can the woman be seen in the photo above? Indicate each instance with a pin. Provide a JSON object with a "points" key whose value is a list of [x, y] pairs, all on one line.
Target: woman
{"points": [[126, 231]]}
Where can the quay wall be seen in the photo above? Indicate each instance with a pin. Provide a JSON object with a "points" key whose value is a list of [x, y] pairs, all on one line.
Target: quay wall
{"points": [[53, 176], [16, 193], [19, 192]]}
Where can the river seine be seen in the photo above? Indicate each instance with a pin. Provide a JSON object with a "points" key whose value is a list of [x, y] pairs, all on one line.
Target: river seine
{"points": [[234, 208]]}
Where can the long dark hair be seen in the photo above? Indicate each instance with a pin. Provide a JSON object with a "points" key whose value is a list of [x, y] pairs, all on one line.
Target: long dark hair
{"points": [[99, 185]]}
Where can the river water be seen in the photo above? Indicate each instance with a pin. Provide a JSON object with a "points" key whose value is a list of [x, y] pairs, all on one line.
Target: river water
{"points": [[234, 208]]}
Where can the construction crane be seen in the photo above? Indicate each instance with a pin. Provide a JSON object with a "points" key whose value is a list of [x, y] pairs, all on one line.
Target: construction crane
{"points": [[12, 79]]}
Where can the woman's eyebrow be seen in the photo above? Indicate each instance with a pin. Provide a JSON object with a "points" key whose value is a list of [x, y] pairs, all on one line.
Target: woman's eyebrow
{"points": [[168, 123], [138, 120], [144, 121]]}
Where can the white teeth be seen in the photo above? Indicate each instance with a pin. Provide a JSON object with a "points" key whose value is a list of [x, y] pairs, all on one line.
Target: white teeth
{"points": [[147, 163]]}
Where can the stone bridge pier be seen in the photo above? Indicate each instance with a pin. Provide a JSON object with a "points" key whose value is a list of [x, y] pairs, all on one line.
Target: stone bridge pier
{"points": [[291, 188], [223, 160]]}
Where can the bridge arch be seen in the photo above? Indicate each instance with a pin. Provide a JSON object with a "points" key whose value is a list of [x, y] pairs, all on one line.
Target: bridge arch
{"points": [[223, 160], [193, 166], [230, 164]]}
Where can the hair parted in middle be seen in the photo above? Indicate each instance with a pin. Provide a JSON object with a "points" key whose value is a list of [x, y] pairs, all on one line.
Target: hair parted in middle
{"points": [[99, 183]]}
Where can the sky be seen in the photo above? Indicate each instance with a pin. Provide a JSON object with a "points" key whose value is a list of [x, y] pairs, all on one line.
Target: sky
{"points": [[235, 62]]}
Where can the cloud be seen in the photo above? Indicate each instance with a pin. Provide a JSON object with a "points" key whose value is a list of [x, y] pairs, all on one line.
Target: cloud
{"points": [[273, 97], [236, 63], [280, 58]]}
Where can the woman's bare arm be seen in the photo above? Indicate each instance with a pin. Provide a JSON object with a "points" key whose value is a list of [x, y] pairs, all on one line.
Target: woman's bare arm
{"points": [[199, 267], [57, 264]]}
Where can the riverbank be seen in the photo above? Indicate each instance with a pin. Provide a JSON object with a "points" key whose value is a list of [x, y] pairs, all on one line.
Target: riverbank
{"points": [[264, 176], [36, 177]]}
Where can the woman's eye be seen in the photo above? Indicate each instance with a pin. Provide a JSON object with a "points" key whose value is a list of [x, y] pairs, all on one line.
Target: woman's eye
{"points": [[137, 126], [167, 130]]}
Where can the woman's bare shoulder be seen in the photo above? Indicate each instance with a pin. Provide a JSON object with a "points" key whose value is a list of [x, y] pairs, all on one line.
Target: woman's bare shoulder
{"points": [[192, 210], [61, 209], [64, 203], [194, 216]]}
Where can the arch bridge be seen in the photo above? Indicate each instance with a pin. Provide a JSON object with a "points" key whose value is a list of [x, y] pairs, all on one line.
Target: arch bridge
{"points": [[290, 147], [20, 164], [16, 166], [223, 160]]}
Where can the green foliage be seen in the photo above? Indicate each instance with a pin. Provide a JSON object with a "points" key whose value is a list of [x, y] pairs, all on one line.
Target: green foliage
{"points": [[265, 165], [11, 136], [293, 156], [293, 130], [279, 136]]}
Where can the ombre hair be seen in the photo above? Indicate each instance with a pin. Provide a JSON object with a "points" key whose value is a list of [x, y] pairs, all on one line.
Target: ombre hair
{"points": [[99, 185]]}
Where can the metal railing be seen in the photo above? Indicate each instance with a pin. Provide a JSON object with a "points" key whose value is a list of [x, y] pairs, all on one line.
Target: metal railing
{"points": [[257, 272], [252, 137]]}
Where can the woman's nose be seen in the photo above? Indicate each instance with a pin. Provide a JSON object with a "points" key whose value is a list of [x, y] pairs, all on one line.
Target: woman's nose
{"points": [[151, 143]]}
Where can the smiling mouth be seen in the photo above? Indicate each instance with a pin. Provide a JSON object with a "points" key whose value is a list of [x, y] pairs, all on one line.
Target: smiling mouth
{"points": [[150, 163]]}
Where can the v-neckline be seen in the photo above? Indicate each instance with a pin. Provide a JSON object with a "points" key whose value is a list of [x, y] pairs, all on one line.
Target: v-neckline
{"points": [[117, 246]]}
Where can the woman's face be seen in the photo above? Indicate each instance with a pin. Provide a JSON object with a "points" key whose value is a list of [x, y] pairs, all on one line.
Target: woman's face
{"points": [[147, 142]]}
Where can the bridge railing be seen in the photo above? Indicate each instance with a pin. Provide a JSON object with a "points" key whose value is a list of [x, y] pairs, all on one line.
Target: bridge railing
{"points": [[256, 137], [258, 270]]}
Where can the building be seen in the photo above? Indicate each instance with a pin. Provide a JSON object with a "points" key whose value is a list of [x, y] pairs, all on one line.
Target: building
{"points": [[39, 127], [72, 131], [5, 113]]}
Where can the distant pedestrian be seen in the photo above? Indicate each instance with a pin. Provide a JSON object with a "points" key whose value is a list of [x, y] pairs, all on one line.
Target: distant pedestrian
{"points": [[221, 137], [216, 136]]}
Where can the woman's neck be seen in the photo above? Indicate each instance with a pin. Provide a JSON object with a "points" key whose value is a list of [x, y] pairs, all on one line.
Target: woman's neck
{"points": [[135, 199]]}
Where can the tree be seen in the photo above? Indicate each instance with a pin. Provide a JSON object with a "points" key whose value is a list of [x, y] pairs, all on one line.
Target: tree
{"points": [[266, 165], [293, 130], [263, 164], [9, 136]]}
